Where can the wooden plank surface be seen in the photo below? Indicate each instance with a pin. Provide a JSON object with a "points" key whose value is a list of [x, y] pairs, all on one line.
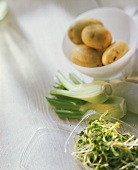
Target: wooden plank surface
{"points": [[30, 54]]}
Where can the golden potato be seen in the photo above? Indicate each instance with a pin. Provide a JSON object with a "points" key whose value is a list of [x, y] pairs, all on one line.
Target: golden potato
{"points": [[74, 31], [114, 52], [101, 51], [85, 56], [96, 36]]}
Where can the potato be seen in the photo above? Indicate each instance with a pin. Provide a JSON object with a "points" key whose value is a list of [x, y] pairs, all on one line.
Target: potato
{"points": [[74, 31], [114, 52], [85, 56], [101, 51], [96, 36]]}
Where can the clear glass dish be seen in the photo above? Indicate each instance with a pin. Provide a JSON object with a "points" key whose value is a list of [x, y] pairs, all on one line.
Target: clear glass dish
{"points": [[92, 116], [3, 9], [45, 151]]}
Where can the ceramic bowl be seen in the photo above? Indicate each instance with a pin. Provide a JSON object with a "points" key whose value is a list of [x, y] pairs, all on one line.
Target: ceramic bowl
{"points": [[122, 27]]}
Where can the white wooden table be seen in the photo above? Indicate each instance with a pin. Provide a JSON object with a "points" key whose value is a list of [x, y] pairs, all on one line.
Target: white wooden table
{"points": [[30, 54]]}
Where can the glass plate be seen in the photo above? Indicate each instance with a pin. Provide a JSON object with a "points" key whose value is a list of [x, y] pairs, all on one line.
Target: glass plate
{"points": [[45, 151]]}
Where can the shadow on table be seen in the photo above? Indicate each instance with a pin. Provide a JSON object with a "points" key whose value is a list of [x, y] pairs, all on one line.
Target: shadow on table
{"points": [[131, 118], [73, 7]]}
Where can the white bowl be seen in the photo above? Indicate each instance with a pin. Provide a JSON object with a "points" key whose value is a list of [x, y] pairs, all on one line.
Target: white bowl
{"points": [[122, 27]]}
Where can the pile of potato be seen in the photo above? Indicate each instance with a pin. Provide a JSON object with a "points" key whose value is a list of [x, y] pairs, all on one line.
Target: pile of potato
{"points": [[94, 46]]}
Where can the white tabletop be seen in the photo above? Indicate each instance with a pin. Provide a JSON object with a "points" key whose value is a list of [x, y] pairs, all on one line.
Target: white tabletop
{"points": [[30, 54]]}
